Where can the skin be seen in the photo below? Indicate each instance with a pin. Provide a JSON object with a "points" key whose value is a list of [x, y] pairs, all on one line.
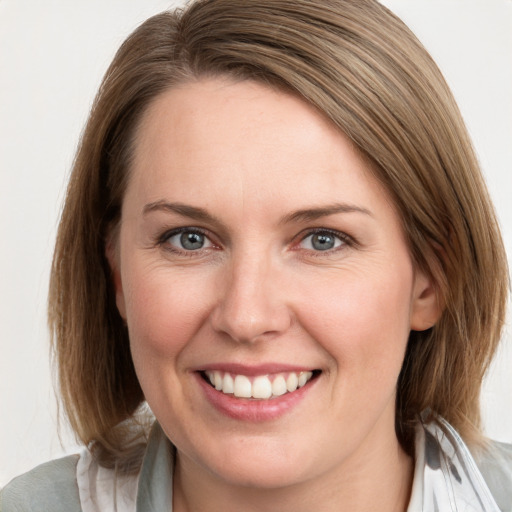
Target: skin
{"points": [[259, 291]]}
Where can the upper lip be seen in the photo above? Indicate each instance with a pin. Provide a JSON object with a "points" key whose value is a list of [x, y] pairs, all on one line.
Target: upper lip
{"points": [[253, 370]]}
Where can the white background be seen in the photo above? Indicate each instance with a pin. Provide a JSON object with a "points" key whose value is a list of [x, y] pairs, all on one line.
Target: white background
{"points": [[52, 57]]}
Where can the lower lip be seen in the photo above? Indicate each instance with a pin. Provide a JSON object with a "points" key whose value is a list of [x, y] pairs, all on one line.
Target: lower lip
{"points": [[254, 410]]}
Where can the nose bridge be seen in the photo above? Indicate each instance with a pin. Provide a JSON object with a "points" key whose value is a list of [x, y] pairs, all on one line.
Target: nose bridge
{"points": [[251, 303]]}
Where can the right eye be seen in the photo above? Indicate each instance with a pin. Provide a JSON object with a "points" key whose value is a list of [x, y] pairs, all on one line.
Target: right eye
{"points": [[187, 239]]}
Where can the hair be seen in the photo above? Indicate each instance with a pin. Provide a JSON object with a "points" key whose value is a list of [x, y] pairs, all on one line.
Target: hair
{"points": [[363, 69]]}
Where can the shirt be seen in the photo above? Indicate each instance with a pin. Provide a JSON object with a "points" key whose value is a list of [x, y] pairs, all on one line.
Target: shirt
{"points": [[447, 478]]}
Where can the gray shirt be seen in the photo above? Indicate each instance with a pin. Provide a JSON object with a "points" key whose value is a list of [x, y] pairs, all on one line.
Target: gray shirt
{"points": [[447, 478]]}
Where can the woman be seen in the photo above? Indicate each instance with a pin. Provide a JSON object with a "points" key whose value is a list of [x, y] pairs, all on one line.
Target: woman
{"points": [[284, 245]]}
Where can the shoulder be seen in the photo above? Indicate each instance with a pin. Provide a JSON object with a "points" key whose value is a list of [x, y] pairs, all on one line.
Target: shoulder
{"points": [[457, 473], [495, 465], [51, 486], [103, 488]]}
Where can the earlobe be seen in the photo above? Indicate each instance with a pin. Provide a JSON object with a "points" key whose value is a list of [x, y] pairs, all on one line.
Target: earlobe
{"points": [[426, 305], [112, 255]]}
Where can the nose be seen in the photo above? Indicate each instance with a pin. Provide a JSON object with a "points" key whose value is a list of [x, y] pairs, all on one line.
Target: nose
{"points": [[251, 302]]}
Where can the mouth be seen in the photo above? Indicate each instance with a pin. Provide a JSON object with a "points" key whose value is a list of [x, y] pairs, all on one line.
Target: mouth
{"points": [[258, 387]]}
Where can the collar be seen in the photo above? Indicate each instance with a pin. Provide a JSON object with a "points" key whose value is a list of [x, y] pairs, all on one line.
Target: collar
{"points": [[446, 477], [156, 476]]}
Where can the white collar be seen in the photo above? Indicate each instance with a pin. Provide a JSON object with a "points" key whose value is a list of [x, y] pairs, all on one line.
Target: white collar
{"points": [[446, 477]]}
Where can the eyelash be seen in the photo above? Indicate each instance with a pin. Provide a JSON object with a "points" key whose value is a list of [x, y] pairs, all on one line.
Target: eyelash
{"points": [[162, 241], [346, 240]]}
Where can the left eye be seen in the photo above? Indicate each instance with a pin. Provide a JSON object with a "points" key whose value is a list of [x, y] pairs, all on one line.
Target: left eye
{"points": [[189, 240], [321, 241]]}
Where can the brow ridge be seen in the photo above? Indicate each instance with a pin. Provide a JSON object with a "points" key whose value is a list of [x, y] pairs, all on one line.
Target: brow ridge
{"points": [[194, 212], [317, 212], [302, 215]]}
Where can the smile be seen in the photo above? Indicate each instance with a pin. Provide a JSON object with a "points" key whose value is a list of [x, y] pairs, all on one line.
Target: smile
{"points": [[261, 387]]}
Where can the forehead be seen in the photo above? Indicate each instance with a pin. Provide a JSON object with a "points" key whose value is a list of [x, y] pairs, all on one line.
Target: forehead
{"points": [[219, 138], [227, 112]]}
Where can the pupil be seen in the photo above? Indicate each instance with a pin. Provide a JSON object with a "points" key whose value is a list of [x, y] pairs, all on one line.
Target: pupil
{"points": [[192, 241], [323, 242]]}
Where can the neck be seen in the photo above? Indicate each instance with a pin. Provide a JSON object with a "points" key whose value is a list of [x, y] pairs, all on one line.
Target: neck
{"points": [[380, 479]]}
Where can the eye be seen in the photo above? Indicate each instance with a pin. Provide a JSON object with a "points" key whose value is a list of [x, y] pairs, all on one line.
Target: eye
{"points": [[322, 241], [188, 240]]}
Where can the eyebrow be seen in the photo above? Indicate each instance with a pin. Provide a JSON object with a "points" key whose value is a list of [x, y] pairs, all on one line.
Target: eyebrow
{"points": [[304, 215], [185, 210], [314, 213]]}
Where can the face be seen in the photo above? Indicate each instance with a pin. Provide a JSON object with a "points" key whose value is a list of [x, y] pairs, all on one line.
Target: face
{"points": [[267, 286]]}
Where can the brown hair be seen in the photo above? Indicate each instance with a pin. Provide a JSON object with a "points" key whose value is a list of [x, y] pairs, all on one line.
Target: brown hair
{"points": [[364, 70]]}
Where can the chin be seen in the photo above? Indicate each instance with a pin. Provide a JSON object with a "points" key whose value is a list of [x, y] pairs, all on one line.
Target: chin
{"points": [[261, 476], [263, 463]]}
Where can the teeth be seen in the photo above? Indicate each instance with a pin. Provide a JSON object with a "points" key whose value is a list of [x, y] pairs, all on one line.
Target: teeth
{"points": [[303, 378], [261, 387], [243, 387], [217, 379], [279, 386], [228, 386], [292, 382]]}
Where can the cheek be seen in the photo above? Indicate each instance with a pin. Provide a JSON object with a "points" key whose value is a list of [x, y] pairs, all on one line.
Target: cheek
{"points": [[362, 319], [163, 312]]}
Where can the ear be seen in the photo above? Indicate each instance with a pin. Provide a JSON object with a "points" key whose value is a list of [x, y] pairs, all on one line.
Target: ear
{"points": [[426, 307], [112, 255]]}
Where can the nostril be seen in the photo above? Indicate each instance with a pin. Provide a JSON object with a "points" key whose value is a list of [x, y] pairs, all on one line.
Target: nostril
{"points": [[251, 326]]}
